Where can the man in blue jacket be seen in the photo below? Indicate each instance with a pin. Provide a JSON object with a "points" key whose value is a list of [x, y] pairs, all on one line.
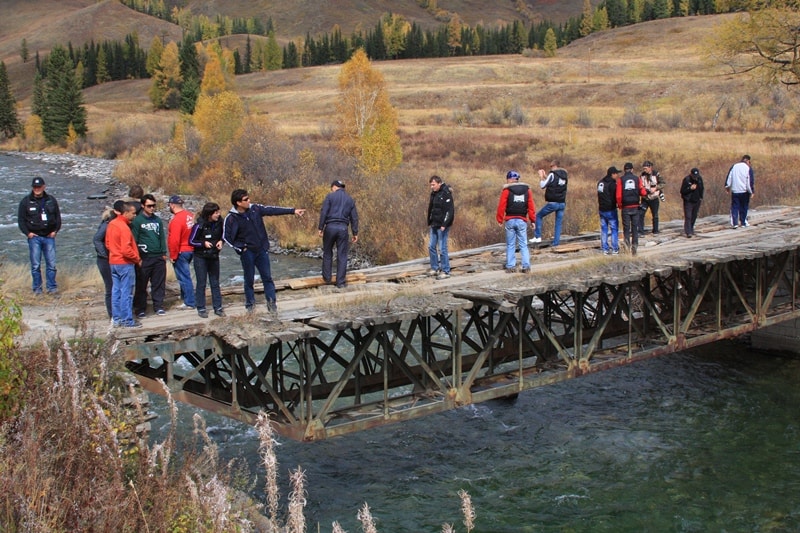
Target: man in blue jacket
{"points": [[244, 231]]}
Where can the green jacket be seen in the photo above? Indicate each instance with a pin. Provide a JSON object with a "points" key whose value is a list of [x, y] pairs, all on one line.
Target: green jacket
{"points": [[150, 234]]}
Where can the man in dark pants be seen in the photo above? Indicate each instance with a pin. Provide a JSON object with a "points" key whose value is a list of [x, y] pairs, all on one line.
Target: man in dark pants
{"points": [[151, 238], [692, 191], [629, 193], [654, 184], [338, 212]]}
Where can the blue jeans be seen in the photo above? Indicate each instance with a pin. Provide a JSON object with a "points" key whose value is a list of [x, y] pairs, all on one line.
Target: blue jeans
{"points": [[252, 261], [181, 267], [548, 208], [207, 267], [123, 278], [37, 248], [439, 240], [517, 237], [609, 224]]}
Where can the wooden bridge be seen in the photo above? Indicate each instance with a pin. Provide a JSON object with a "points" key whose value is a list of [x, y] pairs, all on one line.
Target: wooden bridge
{"points": [[396, 344]]}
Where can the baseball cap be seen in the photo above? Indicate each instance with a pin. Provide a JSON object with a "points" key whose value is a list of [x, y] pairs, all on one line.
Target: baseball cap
{"points": [[337, 183], [512, 175], [647, 163], [37, 182], [613, 170], [175, 199], [628, 166], [695, 172]]}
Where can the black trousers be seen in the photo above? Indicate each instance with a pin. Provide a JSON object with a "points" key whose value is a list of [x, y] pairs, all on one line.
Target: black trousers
{"points": [[335, 235], [690, 210], [153, 272], [653, 206], [630, 225]]}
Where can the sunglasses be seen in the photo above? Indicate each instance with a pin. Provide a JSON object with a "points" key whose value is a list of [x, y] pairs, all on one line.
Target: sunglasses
{"points": [[149, 205], [245, 199]]}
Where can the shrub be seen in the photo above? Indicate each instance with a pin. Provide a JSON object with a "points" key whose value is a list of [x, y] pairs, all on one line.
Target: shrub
{"points": [[12, 368], [633, 118]]}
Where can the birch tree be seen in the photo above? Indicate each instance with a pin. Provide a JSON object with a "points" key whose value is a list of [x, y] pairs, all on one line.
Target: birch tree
{"points": [[368, 123]]}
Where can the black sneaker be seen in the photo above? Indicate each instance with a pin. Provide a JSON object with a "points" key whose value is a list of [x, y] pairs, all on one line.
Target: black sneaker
{"points": [[272, 307], [202, 313], [219, 312]]}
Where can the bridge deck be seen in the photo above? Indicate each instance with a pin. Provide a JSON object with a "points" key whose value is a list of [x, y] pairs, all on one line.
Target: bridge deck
{"points": [[396, 344]]}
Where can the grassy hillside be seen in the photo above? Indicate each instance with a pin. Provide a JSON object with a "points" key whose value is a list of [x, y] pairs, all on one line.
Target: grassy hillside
{"points": [[296, 18], [45, 23]]}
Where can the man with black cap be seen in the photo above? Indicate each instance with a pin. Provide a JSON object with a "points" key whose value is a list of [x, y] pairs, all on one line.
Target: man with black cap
{"points": [[338, 212], [692, 193], [607, 209], [630, 190], [39, 219]]}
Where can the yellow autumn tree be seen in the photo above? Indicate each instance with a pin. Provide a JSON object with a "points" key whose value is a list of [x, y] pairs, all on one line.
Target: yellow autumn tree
{"points": [[213, 77], [165, 90], [218, 118], [368, 123]]}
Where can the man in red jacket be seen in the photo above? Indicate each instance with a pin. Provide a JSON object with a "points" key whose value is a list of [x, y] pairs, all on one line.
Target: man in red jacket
{"points": [[180, 251], [123, 256], [515, 211]]}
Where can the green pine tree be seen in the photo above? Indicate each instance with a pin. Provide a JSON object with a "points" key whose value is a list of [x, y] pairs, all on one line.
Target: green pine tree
{"points": [[550, 43], [63, 101], [9, 122]]}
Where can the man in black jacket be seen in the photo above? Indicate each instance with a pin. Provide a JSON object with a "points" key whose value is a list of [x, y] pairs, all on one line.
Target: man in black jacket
{"points": [[338, 212], [440, 217], [554, 184], [39, 219], [692, 193], [607, 209]]}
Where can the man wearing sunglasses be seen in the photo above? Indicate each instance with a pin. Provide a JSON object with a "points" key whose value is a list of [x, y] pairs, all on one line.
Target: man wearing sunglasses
{"points": [[244, 231], [151, 238]]}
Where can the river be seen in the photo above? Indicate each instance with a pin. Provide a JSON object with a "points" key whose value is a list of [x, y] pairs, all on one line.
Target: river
{"points": [[73, 180], [706, 440]]}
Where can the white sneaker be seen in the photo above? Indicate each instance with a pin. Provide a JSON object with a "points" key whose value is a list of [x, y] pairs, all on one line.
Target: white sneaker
{"points": [[184, 307], [746, 224], [432, 272], [535, 240]]}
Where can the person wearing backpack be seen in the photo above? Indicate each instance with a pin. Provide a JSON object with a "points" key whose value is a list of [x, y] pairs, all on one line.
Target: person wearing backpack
{"points": [[514, 211], [554, 184]]}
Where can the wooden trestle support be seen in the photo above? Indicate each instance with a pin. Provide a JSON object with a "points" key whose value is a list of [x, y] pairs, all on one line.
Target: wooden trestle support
{"points": [[319, 380]]}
